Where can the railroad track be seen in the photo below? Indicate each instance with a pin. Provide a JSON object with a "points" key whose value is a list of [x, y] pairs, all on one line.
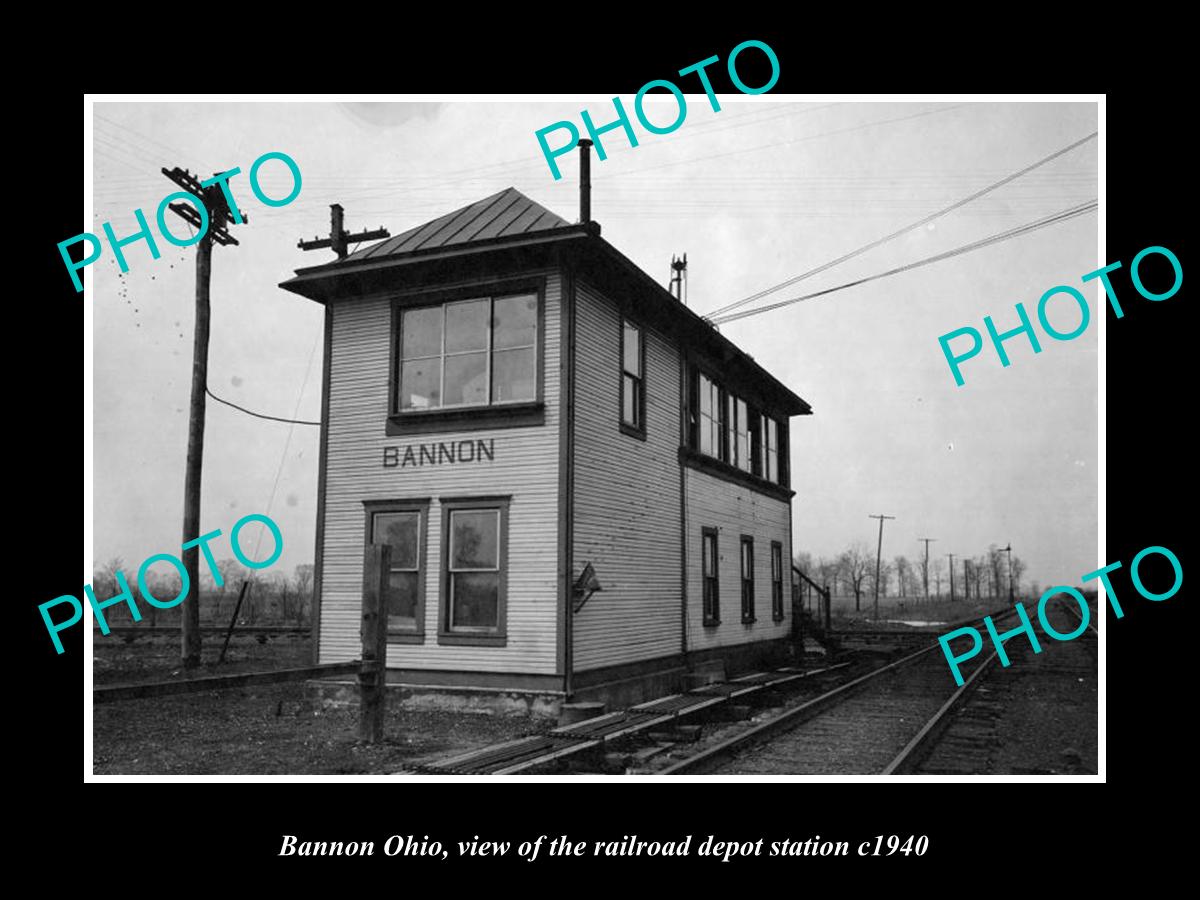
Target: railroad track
{"points": [[642, 738], [886, 721]]}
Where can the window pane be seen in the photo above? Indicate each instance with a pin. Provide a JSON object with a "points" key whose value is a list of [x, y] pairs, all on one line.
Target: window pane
{"points": [[706, 436], [710, 552], [633, 350], [422, 332], [514, 322], [514, 375], [401, 600], [706, 396], [421, 384], [475, 599], [629, 400], [747, 559], [474, 539], [467, 325], [466, 379], [400, 531]]}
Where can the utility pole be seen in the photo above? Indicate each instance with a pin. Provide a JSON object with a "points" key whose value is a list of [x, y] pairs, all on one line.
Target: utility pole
{"points": [[878, 560], [339, 238], [1008, 550], [219, 218], [951, 555], [927, 541]]}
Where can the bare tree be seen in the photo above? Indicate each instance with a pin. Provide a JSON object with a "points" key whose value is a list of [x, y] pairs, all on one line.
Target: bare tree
{"points": [[854, 565], [1018, 569], [901, 565], [995, 561], [303, 582]]}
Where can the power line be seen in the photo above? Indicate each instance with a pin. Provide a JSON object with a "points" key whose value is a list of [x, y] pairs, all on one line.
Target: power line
{"points": [[251, 412], [966, 248], [907, 228]]}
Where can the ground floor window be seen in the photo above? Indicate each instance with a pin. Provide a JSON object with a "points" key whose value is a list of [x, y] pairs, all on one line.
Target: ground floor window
{"points": [[712, 599], [747, 578], [474, 571], [401, 525], [777, 581]]}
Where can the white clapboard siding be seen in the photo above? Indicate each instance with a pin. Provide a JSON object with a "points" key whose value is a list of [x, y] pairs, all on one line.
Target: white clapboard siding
{"points": [[525, 466], [627, 497], [735, 510]]}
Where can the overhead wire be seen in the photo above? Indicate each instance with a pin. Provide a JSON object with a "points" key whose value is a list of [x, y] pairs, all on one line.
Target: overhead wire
{"points": [[257, 415], [1052, 219], [907, 228]]}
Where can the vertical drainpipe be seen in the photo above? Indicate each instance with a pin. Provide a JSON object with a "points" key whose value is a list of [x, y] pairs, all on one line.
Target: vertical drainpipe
{"points": [[685, 436], [568, 373], [568, 527]]}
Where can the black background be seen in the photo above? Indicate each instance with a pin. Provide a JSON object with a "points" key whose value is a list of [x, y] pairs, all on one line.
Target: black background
{"points": [[985, 832]]}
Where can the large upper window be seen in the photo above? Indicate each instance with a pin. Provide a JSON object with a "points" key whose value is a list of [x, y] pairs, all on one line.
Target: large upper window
{"points": [[737, 417], [770, 464], [710, 419], [728, 428], [474, 571], [476, 352]]}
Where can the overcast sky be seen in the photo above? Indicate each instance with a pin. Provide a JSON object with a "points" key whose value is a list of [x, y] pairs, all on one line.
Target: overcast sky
{"points": [[755, 194]]}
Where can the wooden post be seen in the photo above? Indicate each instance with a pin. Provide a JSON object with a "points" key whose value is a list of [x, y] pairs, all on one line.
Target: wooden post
{"points": [[828, 604], [372, 676], [190, 620]]}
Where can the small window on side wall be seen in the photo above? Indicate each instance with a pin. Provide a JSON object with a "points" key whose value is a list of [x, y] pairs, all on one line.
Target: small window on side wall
{"points": [[777, 581], [709, 576], [633, 380], [747, 579]]}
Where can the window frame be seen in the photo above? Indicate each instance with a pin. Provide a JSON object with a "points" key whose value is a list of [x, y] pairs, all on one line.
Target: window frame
{"points": [[421, 507], [747, 566], [723, 463], [444, 419], [718, 418], [777, 608], [710, 593], [633, 429], [497, 637]]}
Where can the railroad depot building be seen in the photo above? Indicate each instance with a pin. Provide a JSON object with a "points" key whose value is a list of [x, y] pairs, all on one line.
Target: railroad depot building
{"points": [[584, 485]]}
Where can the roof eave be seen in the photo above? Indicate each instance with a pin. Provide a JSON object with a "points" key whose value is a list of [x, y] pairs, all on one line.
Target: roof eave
{"points": [[798, 406], [308, 282]]}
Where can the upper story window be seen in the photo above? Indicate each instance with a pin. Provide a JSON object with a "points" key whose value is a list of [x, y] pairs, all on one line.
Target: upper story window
{"points": [[729, 428], [633, 384], [738, 418], [477, 352], [770, 463], [711, 421]]}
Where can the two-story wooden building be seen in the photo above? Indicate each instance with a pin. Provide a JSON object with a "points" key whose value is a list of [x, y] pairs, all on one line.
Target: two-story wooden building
{"points": [[523, 414]]}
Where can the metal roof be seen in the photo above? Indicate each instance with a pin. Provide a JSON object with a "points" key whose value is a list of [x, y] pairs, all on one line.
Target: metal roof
{"points": [[501, 215]]}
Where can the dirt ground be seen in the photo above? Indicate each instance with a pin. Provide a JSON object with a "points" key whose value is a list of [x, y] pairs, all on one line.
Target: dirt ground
{"points": [[275, 730], [155, 657], [263, 730]]}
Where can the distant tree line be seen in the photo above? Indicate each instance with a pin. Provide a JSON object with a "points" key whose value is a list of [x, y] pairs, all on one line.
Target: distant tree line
{"points": [[852, 573], [271, 599]]}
